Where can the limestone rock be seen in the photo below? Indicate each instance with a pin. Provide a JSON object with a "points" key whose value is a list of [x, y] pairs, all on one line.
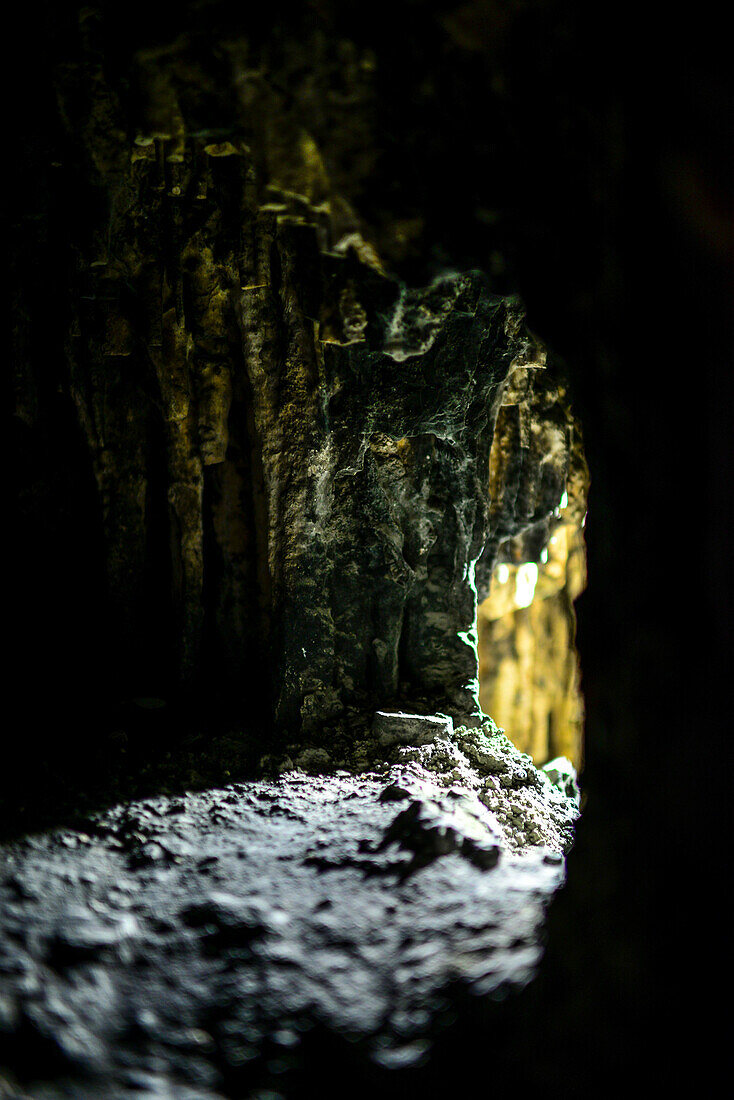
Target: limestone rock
{"points": [[395, 727], [529, 670], [302, 468]]}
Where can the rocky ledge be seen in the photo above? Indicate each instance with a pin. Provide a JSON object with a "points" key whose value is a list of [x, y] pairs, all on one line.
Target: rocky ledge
{"points": [[195, 946]]}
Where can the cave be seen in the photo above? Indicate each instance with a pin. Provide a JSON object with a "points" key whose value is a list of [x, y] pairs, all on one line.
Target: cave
{"points": [[342, 349]]}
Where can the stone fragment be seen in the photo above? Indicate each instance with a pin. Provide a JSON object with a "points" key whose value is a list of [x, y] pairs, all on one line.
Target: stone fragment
{"points": [[562, 775], [394, 793], [398, 728], [82, 937], [430, 829]]}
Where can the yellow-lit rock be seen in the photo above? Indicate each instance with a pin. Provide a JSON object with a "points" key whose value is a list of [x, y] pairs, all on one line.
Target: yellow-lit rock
{"points": [[528, 666]]}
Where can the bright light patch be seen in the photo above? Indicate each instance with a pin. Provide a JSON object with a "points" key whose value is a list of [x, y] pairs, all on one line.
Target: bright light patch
{"points": [[564, 501], [525, 581], [503, 573], [544, 555]]}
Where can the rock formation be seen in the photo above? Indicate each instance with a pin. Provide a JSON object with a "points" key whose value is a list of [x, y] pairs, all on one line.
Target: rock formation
{"points": [[529, 670], [573, 155], [290, 446]]}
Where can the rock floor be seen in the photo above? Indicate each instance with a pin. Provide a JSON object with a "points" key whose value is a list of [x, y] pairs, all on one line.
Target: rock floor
{"points": [[188, 947]]}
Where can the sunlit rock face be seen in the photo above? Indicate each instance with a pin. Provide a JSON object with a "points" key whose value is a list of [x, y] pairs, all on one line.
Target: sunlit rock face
{"points": [[375, 457], [529, 669]]}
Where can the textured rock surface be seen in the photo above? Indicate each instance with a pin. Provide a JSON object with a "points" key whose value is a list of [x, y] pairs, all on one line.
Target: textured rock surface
{"points": [[529, 669], [285, 448], [376, 455], [505, 133], [393, 727], [193, 946]]}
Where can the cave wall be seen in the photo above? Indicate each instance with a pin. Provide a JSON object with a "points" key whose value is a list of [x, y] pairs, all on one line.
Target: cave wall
{"points": [[529, 671], [598, 184], [290, 446]]}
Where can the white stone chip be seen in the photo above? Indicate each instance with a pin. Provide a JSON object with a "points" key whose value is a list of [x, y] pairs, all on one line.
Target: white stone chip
{"points": [[394, 727]]}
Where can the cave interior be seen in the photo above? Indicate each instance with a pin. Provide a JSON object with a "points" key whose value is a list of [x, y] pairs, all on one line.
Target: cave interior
{"points": [[342, 349]]}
